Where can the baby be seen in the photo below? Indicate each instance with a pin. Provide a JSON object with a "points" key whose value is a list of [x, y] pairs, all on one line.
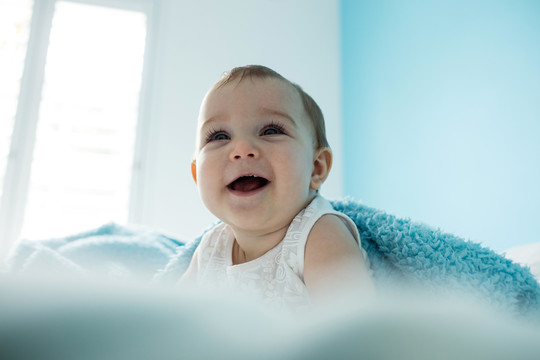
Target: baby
{"points": [[261, 157]]}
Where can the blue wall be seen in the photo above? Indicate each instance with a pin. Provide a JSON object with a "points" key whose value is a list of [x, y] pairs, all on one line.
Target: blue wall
{"points": [[441, 105]]}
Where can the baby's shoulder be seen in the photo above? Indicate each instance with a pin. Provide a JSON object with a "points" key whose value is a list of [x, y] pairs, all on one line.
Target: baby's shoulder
{"points": [[331, 228], [330, 238]]}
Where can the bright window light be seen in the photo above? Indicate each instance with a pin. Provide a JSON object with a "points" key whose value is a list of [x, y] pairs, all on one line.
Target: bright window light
{"points": [[15, 16], [83, 155]]}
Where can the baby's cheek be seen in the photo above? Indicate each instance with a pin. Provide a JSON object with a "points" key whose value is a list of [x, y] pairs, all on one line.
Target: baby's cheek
{"points": [[208, 195], [205, 168], [206, 183]]}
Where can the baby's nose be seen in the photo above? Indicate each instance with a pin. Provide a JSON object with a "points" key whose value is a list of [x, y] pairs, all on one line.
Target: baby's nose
{"points": [[244, 150], [250, 155]]}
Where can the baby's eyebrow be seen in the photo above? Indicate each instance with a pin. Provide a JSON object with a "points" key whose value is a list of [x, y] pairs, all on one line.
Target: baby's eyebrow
{"points": [[262, 111], [209, 121], [268, 111]]}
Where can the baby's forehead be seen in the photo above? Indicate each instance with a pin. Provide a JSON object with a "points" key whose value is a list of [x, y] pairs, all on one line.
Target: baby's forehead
{"points": [[252, 92]]}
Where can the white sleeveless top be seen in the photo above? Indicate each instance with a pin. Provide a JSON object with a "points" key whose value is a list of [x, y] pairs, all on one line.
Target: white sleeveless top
{"points": [[277, 277]]}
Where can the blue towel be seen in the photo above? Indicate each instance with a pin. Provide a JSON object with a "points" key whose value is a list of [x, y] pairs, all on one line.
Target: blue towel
{"points": [[404, 249]]}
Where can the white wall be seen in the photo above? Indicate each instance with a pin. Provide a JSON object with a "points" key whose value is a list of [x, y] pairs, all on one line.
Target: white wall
{"points": [[197, 41]]}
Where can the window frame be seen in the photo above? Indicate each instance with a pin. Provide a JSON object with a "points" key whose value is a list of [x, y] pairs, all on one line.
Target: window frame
{"points": [[19, 161]]}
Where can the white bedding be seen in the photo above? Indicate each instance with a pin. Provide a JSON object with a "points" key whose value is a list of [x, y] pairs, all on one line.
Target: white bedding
{"points": [[83, 321], [80, 319]]}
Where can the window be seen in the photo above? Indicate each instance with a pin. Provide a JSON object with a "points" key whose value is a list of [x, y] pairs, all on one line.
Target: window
{"points": [[73, 139], [15, 18]]}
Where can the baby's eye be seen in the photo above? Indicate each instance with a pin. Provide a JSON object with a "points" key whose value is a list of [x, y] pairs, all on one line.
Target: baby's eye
{"points": [[217, 136], [273, 129], [220, 136]]}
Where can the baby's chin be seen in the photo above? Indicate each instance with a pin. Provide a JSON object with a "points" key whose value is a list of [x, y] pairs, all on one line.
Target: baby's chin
{"points": [[260, 211], [258, 222]]}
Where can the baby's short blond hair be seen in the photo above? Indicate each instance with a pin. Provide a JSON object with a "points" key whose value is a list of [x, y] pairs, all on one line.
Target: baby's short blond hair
{"points": [[310, 106]]}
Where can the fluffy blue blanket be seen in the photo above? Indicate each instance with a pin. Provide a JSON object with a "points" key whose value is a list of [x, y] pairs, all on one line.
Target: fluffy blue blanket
{"points": [[401, 251], [110, 251]]}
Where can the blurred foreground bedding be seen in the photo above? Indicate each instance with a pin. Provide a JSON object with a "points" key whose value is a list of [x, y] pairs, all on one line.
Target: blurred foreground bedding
{"points": [[109, 293], [73, 320]]}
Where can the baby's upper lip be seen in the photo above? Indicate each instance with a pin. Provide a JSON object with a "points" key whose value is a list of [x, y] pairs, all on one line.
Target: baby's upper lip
{"points": [[249, 174]]}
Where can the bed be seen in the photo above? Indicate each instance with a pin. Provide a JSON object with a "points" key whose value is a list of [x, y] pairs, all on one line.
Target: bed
{"points": [[109, 293]]}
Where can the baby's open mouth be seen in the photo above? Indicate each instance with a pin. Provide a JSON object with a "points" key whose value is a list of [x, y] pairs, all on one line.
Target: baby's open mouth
{"points": [[248, 183]]}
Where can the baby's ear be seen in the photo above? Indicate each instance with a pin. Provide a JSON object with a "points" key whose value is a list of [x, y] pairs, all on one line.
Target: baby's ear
{"points": [[322, 163], [194, 170]]}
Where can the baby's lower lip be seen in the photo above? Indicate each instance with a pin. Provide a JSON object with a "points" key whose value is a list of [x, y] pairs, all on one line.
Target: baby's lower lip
{"points": [[247, 193]]}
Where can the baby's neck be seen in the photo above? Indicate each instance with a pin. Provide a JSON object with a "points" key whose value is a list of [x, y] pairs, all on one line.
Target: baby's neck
{"points": [[250, 246]]}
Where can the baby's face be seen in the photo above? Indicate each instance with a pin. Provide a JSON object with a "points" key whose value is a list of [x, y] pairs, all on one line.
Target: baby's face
{"points": [[255, 154]]}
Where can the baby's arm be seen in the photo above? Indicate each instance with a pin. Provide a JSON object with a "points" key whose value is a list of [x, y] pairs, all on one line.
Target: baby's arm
{"points": [[334, 267]]}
